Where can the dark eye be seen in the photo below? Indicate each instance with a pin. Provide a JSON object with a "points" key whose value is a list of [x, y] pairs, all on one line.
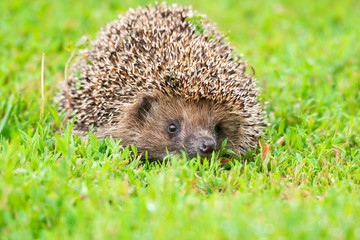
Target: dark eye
{"points": [[173, 128]]}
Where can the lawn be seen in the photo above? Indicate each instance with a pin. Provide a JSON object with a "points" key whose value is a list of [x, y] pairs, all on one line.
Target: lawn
{"points": [[307, 60]]}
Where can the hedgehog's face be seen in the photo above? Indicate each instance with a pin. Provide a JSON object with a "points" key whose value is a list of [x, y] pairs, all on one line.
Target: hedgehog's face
{"points": [[170, 125]]}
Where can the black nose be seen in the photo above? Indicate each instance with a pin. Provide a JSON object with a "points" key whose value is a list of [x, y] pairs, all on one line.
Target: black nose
{"points": [[207, 145]]}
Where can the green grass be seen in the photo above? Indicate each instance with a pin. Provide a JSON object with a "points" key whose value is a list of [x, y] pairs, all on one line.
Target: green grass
{"points": [[307, 60]]}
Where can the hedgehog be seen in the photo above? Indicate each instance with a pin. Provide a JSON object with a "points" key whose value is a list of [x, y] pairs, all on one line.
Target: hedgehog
{"points": [[165, 80]]}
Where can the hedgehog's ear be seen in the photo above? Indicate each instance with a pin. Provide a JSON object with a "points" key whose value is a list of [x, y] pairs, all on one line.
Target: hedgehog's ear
{"points": [[144, 107]]}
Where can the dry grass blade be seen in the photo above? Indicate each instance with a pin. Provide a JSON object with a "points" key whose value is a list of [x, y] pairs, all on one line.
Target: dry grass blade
{"points": [[265, 151]]}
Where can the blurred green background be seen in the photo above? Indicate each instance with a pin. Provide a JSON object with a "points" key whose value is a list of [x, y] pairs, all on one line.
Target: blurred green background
{"points": [[307, 60]]}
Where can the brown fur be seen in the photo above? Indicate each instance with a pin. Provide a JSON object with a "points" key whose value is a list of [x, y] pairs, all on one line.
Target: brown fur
{"points": [[196, 119]]}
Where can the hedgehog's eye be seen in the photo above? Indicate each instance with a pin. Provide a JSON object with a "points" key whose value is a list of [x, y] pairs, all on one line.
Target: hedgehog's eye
{"points": [[173, 128]]}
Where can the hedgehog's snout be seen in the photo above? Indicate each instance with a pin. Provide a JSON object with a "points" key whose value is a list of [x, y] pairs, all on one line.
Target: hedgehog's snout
{"points": [[207, 145], [200, 143]]}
